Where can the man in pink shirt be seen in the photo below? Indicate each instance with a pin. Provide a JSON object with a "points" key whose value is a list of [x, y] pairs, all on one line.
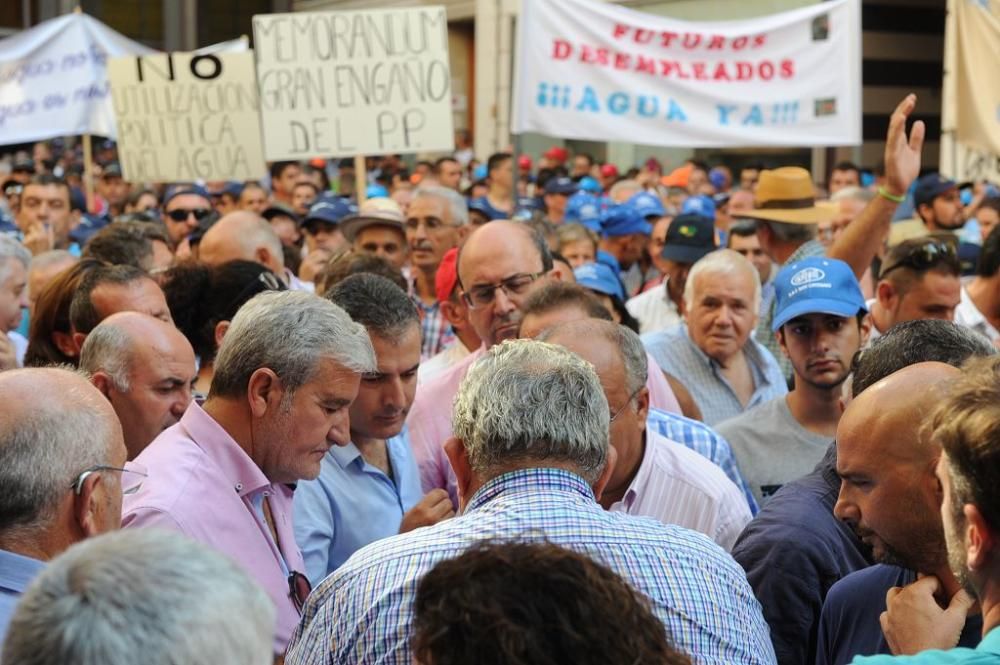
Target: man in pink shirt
{"points": [[289, 367]]}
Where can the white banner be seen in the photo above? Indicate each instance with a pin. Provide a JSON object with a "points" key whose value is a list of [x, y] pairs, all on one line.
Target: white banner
{"points": [[54, 82], [371, 82], [596, 71], [187, 116]]}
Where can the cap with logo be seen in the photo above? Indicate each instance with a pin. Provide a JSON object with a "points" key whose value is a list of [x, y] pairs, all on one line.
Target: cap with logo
{"points": [[702, 205], [111, 170], [622, 220], [931, 186], [377, 211], [816, 285], [446, 276], [585, 209], [560, 185], [328, 209], [787, 195], [689, 238], [601, 278], [647, 204]]}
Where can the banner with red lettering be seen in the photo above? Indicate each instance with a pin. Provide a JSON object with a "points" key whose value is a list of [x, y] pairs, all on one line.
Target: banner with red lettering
{"points": [[596, 71]]}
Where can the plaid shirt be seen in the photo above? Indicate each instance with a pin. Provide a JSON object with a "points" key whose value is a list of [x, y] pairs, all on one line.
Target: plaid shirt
{"points": [[435, 331], [703, 440], [362, 612]]}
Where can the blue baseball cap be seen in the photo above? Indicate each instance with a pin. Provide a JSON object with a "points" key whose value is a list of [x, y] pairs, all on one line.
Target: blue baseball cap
{"points": [[329, 209], [480, 172], [648, 205], [599, 277], [588, 184], [816, 285], [931, 186], [585, 209], [561, 185], [176, 190], [376, 192], [699, 205], [622, 220]]}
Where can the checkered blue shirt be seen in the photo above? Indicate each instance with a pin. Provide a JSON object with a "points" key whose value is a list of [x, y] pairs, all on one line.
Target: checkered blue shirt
{"points": [[362, 612], [435, 331], [703, 440]]}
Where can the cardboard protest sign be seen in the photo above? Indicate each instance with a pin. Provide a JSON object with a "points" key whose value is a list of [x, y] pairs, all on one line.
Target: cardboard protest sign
{"points": [[598, 71], [354, 82], [186, 116]]}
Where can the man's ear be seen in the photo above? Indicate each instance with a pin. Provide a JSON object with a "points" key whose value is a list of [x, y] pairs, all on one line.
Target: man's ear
{"points": [[454, 448], [864, 329], [605, 477], [885, 293], [642, 406], [264, 391], [78, 340], [779, 335], [102, 382], [980, 539], [221, 328], [87, 506]]}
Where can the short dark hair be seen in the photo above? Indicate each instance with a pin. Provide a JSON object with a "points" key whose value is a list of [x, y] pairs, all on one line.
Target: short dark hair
{"points": [[340, 266], [743, 228], [989, 257], [46, 179], [375, 302], [436, 167], [559, 295], [496, 159], [991, 202], [587, 156], [278, 168], [83, 315], [199, 297], [847, 166], [912, 342], [903, 276], [125, 243], [527, 604], [753, 166]]}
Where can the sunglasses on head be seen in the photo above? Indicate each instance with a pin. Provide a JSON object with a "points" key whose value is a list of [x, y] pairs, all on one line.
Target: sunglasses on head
{"points": [[181, 214], [924, 256]]}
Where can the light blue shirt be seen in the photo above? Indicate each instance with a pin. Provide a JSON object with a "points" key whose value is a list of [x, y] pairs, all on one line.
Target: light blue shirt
{"points": [[352, 504], [16, 573], [678, 355], [987, 653]]}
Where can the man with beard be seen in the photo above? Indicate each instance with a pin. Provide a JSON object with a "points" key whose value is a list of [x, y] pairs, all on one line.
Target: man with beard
{"points": [[820, 322], [890, 496], [967, 426], [368, 488]]}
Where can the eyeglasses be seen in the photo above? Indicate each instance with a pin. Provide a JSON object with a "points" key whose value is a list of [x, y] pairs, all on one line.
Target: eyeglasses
{"points": [[266, 281], [624, 406], [181, 214], [515, 285], [924, 256], [299, 589], [138, 470]]}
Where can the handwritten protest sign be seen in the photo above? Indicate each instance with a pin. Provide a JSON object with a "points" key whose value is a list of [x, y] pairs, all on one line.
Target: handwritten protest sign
{"points": [[346, 83], [597, 71], [53, 79], [185, 116]]}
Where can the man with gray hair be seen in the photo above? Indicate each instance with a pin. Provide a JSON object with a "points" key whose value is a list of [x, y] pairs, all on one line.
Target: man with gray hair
{"points": [[285, 376], [143, 596], [531, 455], [436, 220], [145, 368], [14, 262], [61, 453], [726, 371]]}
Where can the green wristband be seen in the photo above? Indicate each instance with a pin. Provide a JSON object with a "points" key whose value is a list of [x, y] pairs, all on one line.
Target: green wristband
{"points": [[886, 194]]}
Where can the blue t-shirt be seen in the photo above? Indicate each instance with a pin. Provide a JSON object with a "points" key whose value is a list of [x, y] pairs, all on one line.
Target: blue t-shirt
{"points": [[483, 204], [987, 653], [849, 624]]}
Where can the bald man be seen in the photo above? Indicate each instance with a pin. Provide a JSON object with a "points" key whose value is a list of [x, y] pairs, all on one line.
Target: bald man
{"points": [[499, 266], [146, 370], [248, 236], [891, 497], [61, 459]]}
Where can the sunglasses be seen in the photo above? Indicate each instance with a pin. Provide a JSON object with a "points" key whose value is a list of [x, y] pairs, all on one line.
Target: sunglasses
{"points": [[181, 214], [922, 257]]}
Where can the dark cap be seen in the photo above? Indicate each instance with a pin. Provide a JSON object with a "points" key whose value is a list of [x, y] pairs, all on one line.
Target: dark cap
{"points": [[23, 165], [931, 186], [330, 210], [278, 209], [111, 170], [689, 238], [561, 185], [176, 190]]}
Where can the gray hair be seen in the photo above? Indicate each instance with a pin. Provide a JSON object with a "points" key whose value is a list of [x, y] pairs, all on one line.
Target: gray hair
{"points": [[377, 304], [722, 262], [142, 596], [853, 193], [528, 401], [262, 234], [786, 232], [12, 250], [51, 258], [621, 187], [108, 349], [459, 208], [289, 332], [42, 448]]}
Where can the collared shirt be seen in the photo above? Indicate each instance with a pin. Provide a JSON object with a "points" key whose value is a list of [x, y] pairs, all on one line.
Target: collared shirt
{"points": [[987, 653], [678, 355], [675, 485], [352, 504], [204, 485], [705, 441], [968, 315], [363, 612], [435, 331], [654, 309], [763, 334], [16, 573], [296, 284], [452, 354]]}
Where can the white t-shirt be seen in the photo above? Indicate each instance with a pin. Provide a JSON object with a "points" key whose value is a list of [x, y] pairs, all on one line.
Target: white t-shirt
{"points": [[654, 310]]}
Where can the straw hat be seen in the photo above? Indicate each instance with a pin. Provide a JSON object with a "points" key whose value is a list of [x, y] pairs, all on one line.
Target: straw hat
{"points": [[379, 211], [787, 195]]}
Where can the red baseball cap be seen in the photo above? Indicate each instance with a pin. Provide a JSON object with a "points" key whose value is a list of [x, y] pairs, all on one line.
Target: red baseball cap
{"points": [[447, 275], [609, 170], [524, 162], [557, 154]]}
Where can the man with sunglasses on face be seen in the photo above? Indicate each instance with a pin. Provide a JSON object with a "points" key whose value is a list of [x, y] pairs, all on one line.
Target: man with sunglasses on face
{"points": [[920, 279], [499, 266], [61, 470], [184, 208]]}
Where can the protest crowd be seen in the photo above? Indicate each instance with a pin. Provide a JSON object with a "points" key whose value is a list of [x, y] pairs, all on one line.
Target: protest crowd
{"points": [[501, 410]]}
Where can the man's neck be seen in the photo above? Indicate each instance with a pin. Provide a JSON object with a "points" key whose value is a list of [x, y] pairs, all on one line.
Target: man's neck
{"points": [[671, 296], [983, 291], [42, 544], [468, 338], [879, 316], [374, 452], [499, 197], [782, 251], [612, 495], [989, 600], [816, 409], [235, 419], [423, 282]]}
